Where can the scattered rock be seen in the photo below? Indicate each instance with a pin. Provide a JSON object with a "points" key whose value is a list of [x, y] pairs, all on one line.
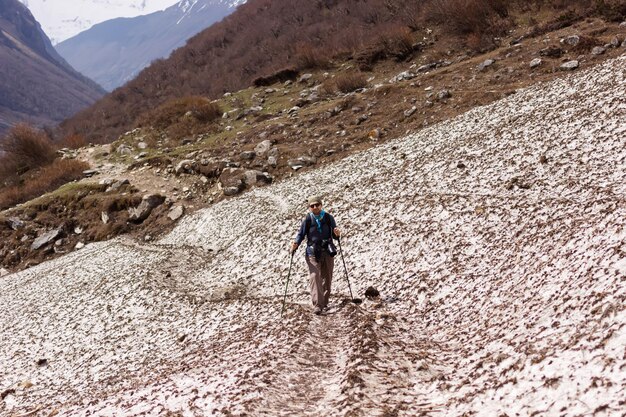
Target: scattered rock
{"points": [[247, 155], [176, 213], [444, 94], [262, 148], [551, 52], [46, 238], [427, 67], [409, 112], [405, 75], [485, 64], [570, 65], [124, 150], [615, 42], [105, 217], [294, 109], [461, 165], [3, 272], [572, 40], [302, 161], [117, 185], [148, 203], [253, 177], [14, 223], [231, 181], [79, 245], [272, 161], [371, 292], [89, 173], [598, 50], [362, 118], [535, 62], [142, 145], [42, 362], [185, 166]]}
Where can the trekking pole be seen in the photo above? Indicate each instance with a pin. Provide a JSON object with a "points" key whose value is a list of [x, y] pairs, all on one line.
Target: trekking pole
{"points": [[354, 300], [287, 284]]}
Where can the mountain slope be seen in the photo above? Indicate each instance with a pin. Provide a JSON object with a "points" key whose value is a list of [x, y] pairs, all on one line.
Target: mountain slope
{"points": [[497, 240], [36, 84], [61, 22], [113, 52]]}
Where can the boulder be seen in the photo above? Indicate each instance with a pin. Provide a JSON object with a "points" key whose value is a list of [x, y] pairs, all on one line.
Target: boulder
{"points": [[148, 203], [262, 148], [247, 155], [45, 239], [254, 177], [117, 185], [570, 65], [485, 64], [302, 161], [535, 62], [614, 42], [551, 52], [212, 170], [572, 40], [444, 94], [232, 181], [305, 78], [14, 223], [598, 50], [371, 292], [405, 75], [185, 166], [176, 213]]}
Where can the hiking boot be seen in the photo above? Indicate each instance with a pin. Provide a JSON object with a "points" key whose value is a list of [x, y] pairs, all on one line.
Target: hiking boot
{"points": [[317, 311]]}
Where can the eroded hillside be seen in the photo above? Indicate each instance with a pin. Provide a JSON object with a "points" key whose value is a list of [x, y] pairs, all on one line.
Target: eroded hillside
{"points": [[496, 239]]}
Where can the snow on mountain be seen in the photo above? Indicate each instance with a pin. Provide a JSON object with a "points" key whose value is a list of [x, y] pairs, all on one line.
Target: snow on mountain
{"points": [[61, 19], [127, 45]]}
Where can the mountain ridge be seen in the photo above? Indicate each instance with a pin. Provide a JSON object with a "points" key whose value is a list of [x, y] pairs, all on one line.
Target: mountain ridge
{"points": [[38, 85], [126, 45]]}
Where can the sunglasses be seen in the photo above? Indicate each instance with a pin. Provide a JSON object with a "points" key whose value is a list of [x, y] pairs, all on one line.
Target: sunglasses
{"points": [[315, 205]]}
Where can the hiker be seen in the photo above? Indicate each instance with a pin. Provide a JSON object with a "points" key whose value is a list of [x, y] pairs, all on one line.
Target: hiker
{"points": [[320, 228]]}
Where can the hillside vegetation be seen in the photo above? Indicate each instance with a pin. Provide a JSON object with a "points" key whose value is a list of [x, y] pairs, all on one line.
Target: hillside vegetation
{"points": [[190, 151], [264, 37]]}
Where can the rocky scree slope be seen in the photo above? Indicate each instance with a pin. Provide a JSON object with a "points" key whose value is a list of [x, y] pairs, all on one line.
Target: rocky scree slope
{"points": [[497, 241]]}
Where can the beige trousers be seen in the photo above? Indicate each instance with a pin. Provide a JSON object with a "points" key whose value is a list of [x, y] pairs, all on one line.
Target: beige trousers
{"points": [[320, 278]]}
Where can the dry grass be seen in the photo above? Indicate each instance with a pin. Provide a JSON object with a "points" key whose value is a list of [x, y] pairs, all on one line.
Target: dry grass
{"points": [[479, 20], [181, 117], [72, 142], [350, 81], [25, 148], [41, 181], [309, 57]]}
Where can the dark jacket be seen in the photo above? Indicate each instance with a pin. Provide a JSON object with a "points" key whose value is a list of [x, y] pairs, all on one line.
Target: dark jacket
{"points": [[313, 235]]}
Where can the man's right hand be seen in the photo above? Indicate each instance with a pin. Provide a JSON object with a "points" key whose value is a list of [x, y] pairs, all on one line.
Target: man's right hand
{"points": [[294, 248]]}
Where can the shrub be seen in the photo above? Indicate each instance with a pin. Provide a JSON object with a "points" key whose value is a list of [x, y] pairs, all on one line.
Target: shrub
{"points": [[73, 142], [44, 180], [309, 57], [465, 17], [24, 148], [175, 110], [350, 81]]}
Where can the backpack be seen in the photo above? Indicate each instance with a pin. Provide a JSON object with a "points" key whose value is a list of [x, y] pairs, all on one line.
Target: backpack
{"points": [[326, 244]]}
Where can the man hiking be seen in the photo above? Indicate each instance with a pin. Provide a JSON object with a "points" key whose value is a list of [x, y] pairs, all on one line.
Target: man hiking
{"points": [[319, 228]]}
